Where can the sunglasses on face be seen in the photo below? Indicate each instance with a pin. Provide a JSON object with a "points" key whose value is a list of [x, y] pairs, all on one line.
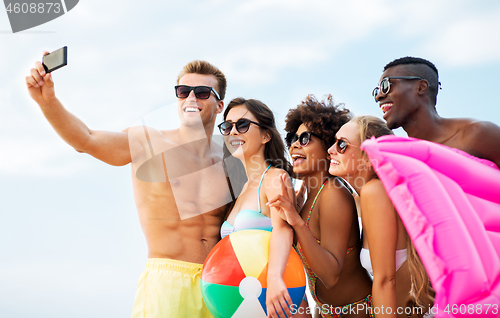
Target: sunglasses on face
{"points": [[341, 145], [201, 92], [303, 139], [385, 84], [242, 126]]}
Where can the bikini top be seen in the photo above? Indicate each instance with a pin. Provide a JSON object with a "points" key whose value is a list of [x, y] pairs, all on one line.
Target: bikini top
{"points": [[248, 219], [310, 212], [311, 275], [366, 262], [364, 255]]}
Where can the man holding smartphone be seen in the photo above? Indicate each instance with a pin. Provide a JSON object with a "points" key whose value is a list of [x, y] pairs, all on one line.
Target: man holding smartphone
{"points": [[180, 187]]}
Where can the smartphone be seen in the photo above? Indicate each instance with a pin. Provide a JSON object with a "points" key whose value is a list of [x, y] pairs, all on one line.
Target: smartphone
{"points": [[55, 60]]}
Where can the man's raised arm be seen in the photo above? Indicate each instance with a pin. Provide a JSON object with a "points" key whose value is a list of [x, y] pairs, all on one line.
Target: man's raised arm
{"points": [[110, 147]]}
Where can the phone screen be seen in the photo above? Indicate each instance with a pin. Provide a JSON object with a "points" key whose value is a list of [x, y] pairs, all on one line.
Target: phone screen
{"points": [[55, 60]]}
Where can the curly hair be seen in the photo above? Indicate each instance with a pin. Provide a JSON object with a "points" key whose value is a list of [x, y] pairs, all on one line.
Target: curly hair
{"points": [[323, 118]]}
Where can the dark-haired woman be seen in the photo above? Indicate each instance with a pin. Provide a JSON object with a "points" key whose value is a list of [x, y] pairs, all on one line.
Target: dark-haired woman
{"points": [[326, 230], [251, 136]]}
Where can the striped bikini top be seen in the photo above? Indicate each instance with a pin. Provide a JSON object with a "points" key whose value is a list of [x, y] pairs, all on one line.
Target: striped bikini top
{"points": [[312, 278]]}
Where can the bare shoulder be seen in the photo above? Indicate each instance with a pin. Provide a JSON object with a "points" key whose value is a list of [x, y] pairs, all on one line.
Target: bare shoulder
{"points": [[481, 139], [274, 174], [482, 129], [375, 203], [373, 189], [272, 182], [146, 142], [336, 191], [147, 133], [336, 199]]}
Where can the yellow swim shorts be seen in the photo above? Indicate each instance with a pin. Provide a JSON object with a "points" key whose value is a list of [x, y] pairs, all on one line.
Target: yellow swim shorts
{"points": [[169, 288]]}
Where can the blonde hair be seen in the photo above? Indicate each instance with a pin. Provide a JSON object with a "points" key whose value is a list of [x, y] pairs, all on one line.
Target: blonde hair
{"points": [[205, 68], [421, 289], [371, 126]]}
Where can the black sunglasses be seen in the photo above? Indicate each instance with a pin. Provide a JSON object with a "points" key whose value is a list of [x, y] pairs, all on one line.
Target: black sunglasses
{"points": [[385, 84], [341, 145], [242, 126], [201, 92], [303, 139]]}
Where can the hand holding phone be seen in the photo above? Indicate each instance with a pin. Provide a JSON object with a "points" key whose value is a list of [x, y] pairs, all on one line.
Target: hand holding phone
{"points": [[55, 60], [39, 82]]}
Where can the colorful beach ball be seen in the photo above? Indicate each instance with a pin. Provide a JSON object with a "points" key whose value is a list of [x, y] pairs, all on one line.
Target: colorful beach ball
{"points": [[234, 275]]}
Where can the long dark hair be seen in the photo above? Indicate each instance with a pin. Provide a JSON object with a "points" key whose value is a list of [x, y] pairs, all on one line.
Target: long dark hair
{"points": [[274, 151]]}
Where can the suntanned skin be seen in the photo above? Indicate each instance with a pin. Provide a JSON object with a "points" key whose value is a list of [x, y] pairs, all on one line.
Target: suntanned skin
{"points": [[341, 278], [415, 111], [167, 235], [159, 216], [383, 234], [383, 230], [251, 153]]}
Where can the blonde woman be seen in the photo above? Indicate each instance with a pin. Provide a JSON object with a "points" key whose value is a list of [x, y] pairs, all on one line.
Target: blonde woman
{"points": [[399, 278]]}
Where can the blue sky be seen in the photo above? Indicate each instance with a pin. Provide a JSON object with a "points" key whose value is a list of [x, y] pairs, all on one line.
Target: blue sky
{"points": [[70, 240]]}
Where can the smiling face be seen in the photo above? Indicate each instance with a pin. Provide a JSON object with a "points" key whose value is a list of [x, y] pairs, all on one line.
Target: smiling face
{"points": [[400, 103], [248, 144], [310, 158], [349, 163], [192, 109]]}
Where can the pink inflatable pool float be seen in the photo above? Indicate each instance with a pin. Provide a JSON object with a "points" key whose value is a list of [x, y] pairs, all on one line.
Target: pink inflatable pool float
{"points": [[449, 203]]}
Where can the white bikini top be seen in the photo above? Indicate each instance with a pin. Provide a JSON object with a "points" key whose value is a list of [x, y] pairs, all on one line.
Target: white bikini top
{"points": [[365, 253], [367, 263]]}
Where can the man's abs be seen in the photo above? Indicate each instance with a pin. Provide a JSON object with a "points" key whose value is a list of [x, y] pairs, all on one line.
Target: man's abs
{"points": [[187, 240], [172, 234]]}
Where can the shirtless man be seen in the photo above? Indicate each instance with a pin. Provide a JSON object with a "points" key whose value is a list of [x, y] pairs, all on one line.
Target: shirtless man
{"points": [[407, 94], [179, 184]]}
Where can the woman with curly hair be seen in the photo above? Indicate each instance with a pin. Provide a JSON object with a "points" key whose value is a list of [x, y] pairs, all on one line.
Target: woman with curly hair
{"points": [[326, 228]]}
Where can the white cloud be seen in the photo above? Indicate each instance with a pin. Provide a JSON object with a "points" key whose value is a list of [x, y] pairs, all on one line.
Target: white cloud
{"points": [[467, 42], [451, 32], [29, 157], [259, 64], [65, 288], [92, 15], [291, 34]]}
